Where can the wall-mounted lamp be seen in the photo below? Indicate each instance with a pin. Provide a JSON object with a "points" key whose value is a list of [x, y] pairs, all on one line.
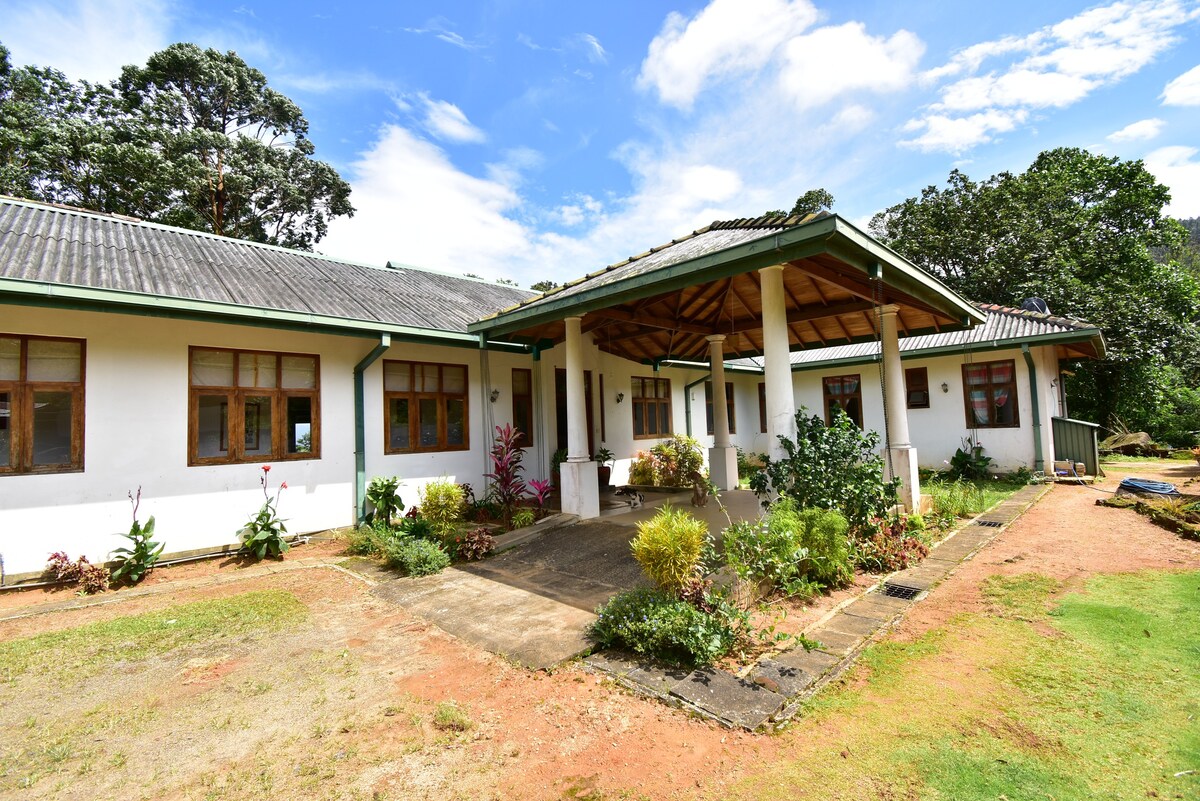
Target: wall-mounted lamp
{"points": [[620, 397], [945, 387], [495, 394]]}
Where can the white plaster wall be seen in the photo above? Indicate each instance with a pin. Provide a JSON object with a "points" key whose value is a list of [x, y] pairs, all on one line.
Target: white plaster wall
{"points": [[135, 433]]}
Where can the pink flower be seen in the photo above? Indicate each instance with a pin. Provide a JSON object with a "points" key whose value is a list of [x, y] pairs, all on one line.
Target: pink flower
{"points": [[283, 486]]}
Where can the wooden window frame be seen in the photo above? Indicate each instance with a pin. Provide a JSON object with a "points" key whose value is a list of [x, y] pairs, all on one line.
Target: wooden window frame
{"points": [[990, 387], [414, 398], [235, 397], [762, 407], [826, 397], [526, 429], [639, 405], [21, 391], [916, 379], [709, 418]]}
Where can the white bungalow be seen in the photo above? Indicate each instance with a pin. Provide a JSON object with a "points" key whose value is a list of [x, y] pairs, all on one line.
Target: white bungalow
{"points": [[135, 354]]}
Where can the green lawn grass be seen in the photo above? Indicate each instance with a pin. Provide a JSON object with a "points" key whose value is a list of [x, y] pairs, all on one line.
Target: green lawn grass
{"points": [[72, 654], [1093, 696]]}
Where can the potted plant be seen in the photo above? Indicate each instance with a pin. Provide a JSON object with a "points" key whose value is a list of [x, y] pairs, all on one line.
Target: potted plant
{"points": [[605, 457], [556, 460]]}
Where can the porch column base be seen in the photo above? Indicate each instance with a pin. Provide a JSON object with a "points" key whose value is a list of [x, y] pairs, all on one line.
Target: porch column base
{"points": [[904, 465], [579, 488], [722, 467]]}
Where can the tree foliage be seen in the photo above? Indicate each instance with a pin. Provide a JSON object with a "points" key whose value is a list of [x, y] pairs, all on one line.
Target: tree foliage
{"points": [[811, 202], [1080, 231], [195, 138]]}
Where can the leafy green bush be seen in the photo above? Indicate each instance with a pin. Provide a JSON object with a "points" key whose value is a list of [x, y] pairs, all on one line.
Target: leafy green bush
{"points": [[134, 563], [953, 499], [523, 518], [794, 551], [653, 623], [442, 506], [676, 461], [830, 467], [385, 501], [371, 539], [968, 461], [890, 547], [641, 470], [668, 547], [416, 557]]}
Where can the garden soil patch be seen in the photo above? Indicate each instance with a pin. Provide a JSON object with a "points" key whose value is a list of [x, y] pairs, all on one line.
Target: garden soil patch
{"points": [[343, 704]]}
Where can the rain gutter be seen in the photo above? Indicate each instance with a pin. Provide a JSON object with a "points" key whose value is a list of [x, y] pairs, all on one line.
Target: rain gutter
{"points": [[1039, 459], [360, 427]]}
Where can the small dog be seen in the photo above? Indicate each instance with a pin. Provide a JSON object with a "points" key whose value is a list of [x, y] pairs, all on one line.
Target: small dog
{"points": [[699, 490], [635, 498]]}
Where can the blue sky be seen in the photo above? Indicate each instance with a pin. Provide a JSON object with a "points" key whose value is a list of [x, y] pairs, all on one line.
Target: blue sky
{"points": [[533, 140]]}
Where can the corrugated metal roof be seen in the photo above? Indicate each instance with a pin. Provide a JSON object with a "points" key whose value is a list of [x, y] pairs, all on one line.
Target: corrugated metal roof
{"points": [[718, 236], [1003, 325], [68, 246]]}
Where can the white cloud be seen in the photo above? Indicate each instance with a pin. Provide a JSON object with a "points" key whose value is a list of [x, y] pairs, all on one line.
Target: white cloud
{"points": [[822, 65], [957, 134], [593, 49], [1178, 168], [447, 121], [1136, 131], [1053, 67], [728, 38], [89, 39], [1184, 90], [326, 82], [414, 206]]}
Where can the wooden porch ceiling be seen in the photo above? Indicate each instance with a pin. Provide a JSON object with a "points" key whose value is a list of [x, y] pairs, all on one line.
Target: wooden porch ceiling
{"points": [[829, 302]]}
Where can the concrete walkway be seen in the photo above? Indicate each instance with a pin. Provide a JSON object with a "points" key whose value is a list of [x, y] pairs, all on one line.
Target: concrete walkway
{"points": [[534, 604]]}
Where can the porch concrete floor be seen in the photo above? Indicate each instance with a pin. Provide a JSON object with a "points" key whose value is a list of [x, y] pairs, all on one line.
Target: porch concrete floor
{"points": [[534, 603]]}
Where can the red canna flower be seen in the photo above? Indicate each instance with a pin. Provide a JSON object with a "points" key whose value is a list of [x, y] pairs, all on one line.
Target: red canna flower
{"points": [[266, 468], [283, 486]]}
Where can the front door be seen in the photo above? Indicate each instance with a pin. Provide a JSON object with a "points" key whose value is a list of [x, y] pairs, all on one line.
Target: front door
{"points": [[560, 405]]}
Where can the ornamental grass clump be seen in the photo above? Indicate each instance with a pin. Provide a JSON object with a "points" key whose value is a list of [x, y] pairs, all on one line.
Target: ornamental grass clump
{"points": [[668, 547], [442, 506]]}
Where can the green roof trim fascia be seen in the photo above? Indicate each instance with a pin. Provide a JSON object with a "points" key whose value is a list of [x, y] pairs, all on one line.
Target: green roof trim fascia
{"points": [[802, 241], [15, 291], [1058, 338]]}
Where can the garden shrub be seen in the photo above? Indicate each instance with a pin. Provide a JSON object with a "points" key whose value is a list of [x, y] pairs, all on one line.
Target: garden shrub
{"points": [[371, 539], [641, 470], [475, 544], [653, 623], [889, 547], [508, 486], [953, 499], [830, 467], [263, 535], [794, 551], [676, 461], [416, 557], [442, 506], [668, 547], [385, 501], [523, 518], [89, 578], [968, 461]]}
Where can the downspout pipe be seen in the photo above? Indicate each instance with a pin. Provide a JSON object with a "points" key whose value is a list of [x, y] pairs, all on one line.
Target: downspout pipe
{"points": [[687, 401], [360, 427], [1039, 458]]}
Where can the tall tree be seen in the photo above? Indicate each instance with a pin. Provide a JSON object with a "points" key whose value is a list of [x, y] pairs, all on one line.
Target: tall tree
{"points": [[195, 138], [1077, 230]]}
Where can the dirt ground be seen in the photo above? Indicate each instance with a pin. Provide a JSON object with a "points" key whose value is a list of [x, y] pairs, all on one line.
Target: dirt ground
{"points": [[343, 705]]}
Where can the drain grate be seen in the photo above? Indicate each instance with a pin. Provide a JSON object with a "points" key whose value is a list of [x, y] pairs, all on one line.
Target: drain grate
{"points": [[989, 523], [900, 591]]}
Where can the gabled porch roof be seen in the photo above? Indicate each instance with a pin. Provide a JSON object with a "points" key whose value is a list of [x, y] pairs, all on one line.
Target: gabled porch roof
{"points": [[663, 303]]}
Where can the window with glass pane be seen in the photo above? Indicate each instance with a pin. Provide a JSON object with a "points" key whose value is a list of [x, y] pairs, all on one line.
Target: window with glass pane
{"points": [[916, 387], [762, 408], [708, 406], [990, 393], [253, 406], [843, 393], [427, 406], [41, 404], [522, 402], [650, 399]]}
